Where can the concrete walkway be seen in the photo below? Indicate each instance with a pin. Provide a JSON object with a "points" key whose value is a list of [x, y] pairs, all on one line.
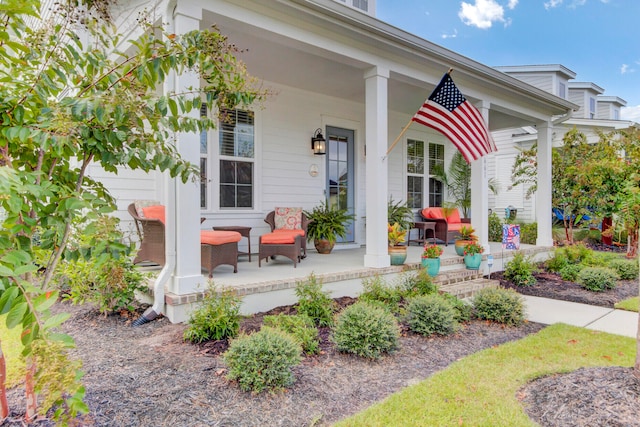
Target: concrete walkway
{"points": [[549, 311]]}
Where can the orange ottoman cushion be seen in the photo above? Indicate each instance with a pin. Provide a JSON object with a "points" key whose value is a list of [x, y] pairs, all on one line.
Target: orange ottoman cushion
{"points": [[282, 237], [212, 237], [296, 232]]}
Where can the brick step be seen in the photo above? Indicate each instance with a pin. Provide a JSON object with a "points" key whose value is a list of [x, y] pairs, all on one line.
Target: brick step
{"points": [[468, 288]]}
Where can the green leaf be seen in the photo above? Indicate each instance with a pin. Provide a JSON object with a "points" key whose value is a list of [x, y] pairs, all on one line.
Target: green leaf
{"points": [[63, 338], [45, 300], [16, 314], [7, 298], [56, 320]]}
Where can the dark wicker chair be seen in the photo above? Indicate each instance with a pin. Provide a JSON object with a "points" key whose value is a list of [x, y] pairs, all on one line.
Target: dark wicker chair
{"points": [[151, 235], [295, 251], [444, 230], [152, 246]]}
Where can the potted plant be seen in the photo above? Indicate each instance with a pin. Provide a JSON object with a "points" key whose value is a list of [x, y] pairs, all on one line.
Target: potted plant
{"points": [[466, 235], [400, 213], [327, 224], [473, 255], [431, 259], [396, 236]]}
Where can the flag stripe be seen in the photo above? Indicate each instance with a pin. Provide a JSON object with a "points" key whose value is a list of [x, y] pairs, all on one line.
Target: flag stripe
{"points": [[447, 111]]}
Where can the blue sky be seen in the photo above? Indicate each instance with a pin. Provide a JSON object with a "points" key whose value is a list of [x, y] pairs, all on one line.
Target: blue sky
{"points": [[599, 40]]}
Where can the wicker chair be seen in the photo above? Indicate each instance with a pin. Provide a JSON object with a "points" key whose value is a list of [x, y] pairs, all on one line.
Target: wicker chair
{"points": [[289, 243], [151, 235], [447, 227], [152, 246]]}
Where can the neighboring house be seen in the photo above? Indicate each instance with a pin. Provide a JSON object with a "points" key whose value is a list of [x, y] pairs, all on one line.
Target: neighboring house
{"points": [[595, 113], [332, 67]]}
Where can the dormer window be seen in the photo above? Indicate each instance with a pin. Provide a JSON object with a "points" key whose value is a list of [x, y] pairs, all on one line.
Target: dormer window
{"points": [[562, 90], [592, 108]]}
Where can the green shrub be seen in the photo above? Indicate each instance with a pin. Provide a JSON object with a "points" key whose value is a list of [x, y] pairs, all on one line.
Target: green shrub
{"points": [[495, 227], [376, 290], [463, 310], [314, 302], [520, 270], [570, 272], [109, 283], [216, 318], [627, 269], [557, 262], [300, 326], [431, 314], [578, 253], [418, 283], [499, 305], [597, 279], [529, 233], [366, 331], [263, 360]]}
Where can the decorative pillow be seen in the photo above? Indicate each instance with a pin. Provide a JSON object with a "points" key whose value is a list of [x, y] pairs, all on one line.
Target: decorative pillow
{"points": [[454, 217], [154, 212], [139, 204], [434, 213], [288, 218]]}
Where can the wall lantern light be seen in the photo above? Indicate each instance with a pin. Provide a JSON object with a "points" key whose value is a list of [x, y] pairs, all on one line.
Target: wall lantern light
{"points": [[318, 143]]}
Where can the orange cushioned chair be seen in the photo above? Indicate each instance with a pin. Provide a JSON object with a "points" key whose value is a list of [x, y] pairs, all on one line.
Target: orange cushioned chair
{"points": [[216, 247], [447, 227], [288, 235]]}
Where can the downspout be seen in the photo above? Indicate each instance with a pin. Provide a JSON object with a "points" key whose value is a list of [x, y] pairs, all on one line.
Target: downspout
{"points": [[562, 118], [170, 245]]}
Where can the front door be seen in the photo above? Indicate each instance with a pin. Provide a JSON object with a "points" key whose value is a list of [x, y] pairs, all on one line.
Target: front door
{"points": [[340, 173]]}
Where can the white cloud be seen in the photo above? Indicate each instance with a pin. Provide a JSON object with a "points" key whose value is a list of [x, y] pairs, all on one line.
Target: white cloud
{"points": [[576, 3], [624, 69], [512, 4], [450, 36], [482, 14], [630, 113], [552, 3]]}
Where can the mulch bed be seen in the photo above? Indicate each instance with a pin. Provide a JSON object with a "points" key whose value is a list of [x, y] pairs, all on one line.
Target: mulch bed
{"points": [[148, 375]]}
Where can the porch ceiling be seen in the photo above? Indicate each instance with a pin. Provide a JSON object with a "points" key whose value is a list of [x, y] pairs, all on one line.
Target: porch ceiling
{"points": [[316, 67]]}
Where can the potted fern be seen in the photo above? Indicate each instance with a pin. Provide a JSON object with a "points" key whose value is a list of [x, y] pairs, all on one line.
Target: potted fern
{"points": [[327, 224]]}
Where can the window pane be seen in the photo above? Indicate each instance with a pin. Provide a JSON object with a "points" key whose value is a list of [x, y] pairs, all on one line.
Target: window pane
{"points": [[236, 133], [236, 184], [414, 191], [435, 192], [203, 182]]}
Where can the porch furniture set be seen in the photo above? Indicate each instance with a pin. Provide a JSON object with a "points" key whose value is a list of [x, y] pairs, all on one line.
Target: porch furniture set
{"points": [[288, 235], [220, 245]]}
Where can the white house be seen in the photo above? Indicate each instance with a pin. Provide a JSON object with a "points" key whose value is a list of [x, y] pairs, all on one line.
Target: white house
{"points": [[595, 113], [332, 66]]}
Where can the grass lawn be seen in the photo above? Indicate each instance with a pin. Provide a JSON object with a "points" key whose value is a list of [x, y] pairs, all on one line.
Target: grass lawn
{"points": [[630, 304], [480, 390], [11, 347]]}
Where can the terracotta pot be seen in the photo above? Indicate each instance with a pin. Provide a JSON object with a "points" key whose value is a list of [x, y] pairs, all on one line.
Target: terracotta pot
{"points": [[398, 254], [323, 246]]}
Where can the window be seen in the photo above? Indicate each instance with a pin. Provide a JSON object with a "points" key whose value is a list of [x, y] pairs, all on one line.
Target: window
{"points": [[592, 108], [235, 160], [436, 158], [562, 90], [415, 173], [361, 4], [616, 114], [236, 149]]}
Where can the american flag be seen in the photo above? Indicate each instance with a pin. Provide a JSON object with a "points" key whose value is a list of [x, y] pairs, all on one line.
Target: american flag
{"points": [[448, 111]]}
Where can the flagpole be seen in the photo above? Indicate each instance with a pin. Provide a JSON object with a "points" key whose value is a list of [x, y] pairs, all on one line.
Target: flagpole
{"points": [[397, 139], [405, 129]]}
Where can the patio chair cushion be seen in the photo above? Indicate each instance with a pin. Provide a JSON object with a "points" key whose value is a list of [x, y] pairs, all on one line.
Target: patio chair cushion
{"points": [[288, 218], [140, 204], [154, 212], [454, 217], [297, 232], [434, 213], [281, 237], [213, 237]]}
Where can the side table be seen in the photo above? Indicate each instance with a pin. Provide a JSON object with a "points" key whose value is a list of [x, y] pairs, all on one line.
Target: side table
{"points": [[244, 232], [422, 228]]}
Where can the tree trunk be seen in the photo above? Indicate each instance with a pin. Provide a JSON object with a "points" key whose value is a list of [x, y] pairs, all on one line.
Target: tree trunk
{"points": [[32, 400], [607, 238], [632, 251], [4, 404], [636, 367]]}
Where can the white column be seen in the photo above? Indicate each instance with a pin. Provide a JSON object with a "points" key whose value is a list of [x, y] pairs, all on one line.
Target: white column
{"points": [[187, 276], [543, 194], [480, 192], [376, 140]]}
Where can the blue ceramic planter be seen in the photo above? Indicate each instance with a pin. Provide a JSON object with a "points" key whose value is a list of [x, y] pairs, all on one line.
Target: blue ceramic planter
{"points": [[472, 262], [432, 265]]}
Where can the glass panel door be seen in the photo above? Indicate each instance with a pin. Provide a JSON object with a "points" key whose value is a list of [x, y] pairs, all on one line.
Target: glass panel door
{"points": [[340, 173]]}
